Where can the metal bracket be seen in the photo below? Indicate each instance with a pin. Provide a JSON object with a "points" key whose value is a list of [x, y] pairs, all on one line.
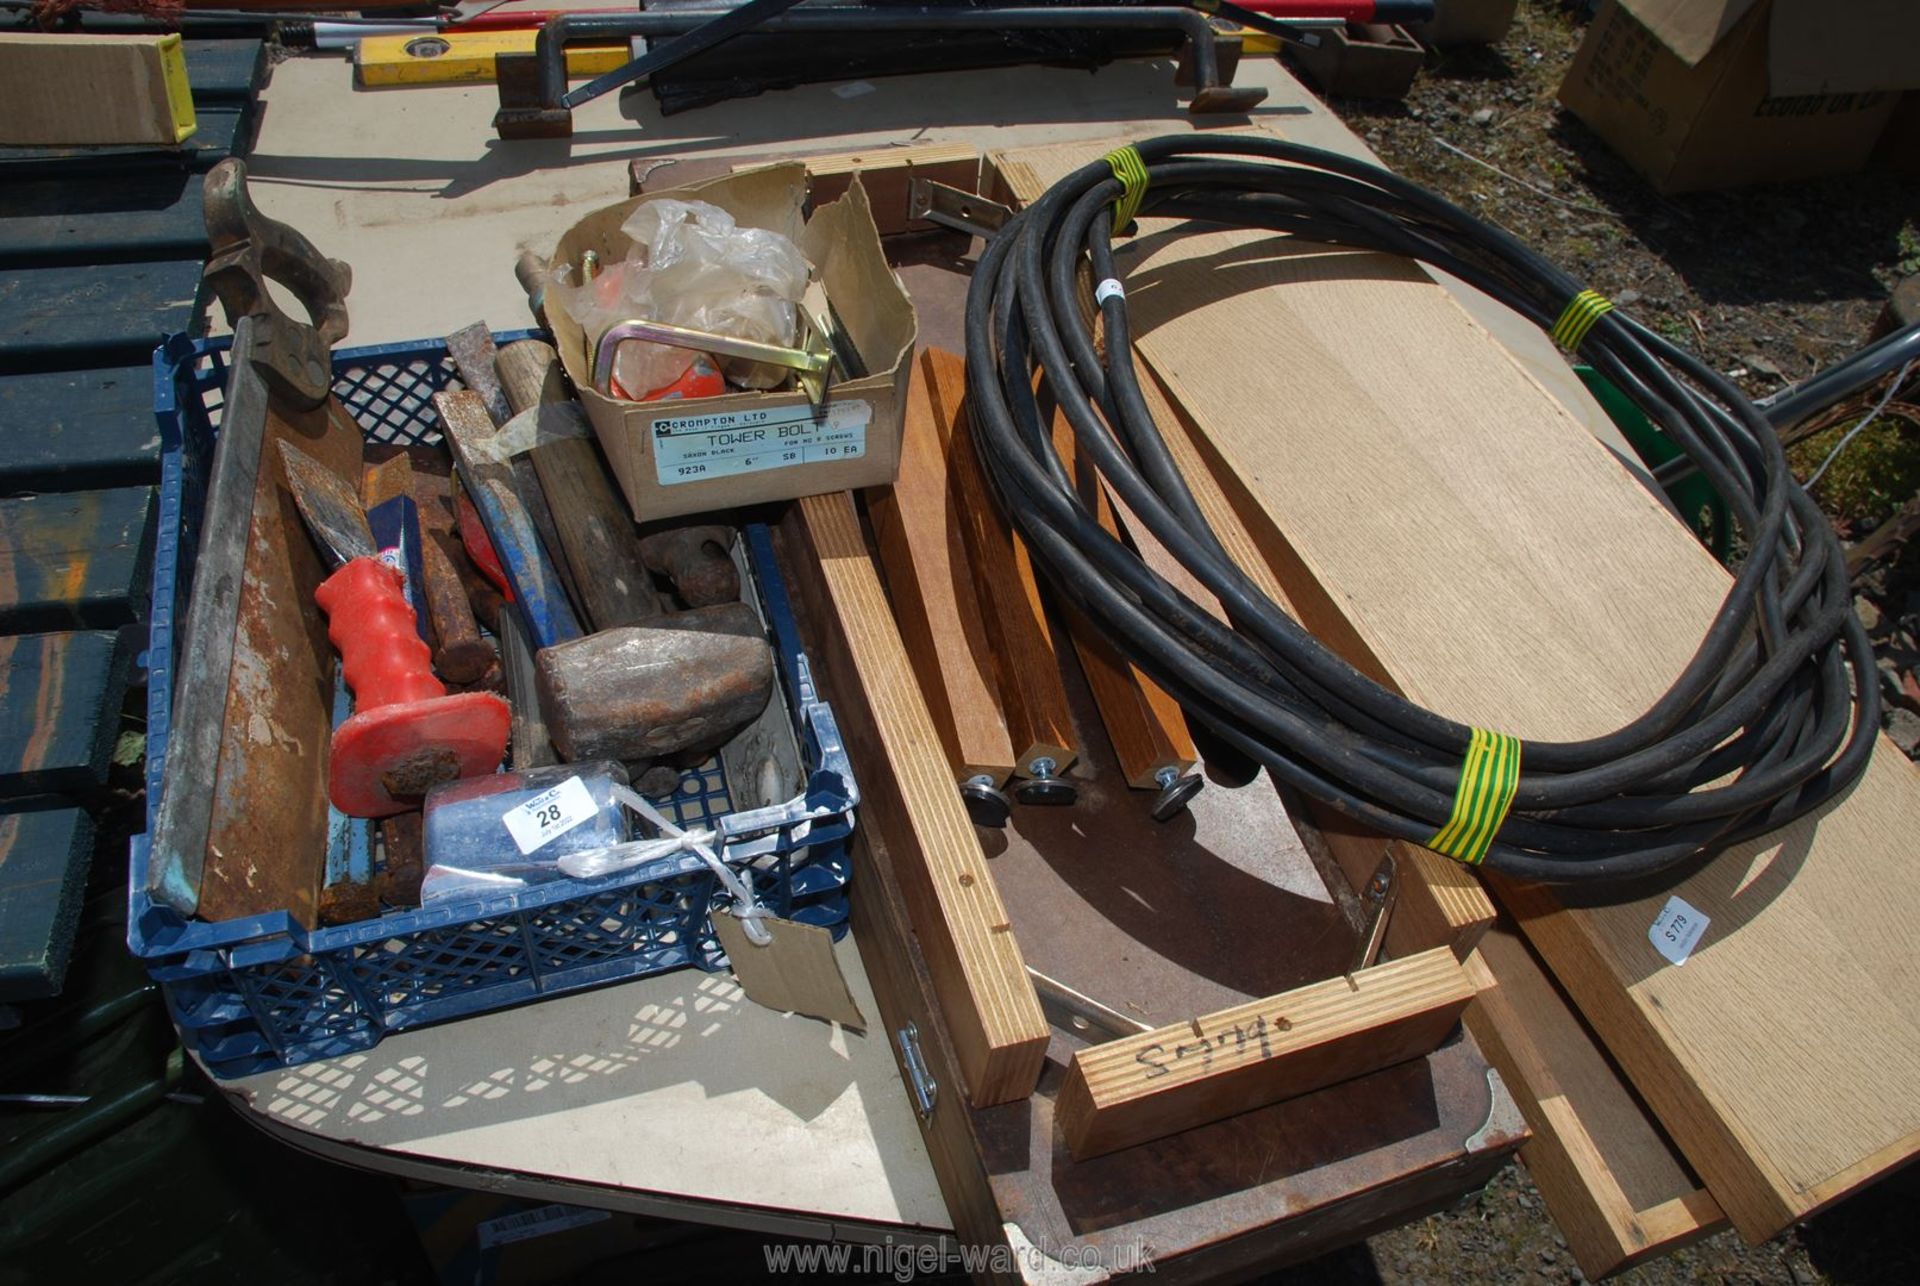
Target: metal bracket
{"points": [[951, 207], [1377, 899], [1504, 1119], [1079, 1014], [926, 1090]]}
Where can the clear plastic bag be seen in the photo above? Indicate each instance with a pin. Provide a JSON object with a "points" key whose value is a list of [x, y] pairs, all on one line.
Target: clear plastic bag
{"points": [[508, 831], [691, 265]]}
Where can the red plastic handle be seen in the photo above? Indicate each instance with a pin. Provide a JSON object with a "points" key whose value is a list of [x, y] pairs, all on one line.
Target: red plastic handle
{"points": [[372, 624]]}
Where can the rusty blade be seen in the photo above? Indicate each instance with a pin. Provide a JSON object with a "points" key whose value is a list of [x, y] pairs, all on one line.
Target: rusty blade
{"points": [[473, 353], [332, 511]]}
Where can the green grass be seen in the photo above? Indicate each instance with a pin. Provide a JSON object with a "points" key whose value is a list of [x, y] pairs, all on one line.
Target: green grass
{"points": [[1877, 473], [1907, 242]]}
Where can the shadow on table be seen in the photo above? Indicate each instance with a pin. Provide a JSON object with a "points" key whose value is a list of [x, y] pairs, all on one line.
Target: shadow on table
{"points": [[905, 106], [564, 1054]]}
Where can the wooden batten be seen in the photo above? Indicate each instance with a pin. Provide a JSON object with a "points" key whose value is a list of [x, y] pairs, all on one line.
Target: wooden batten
{"points": [[1612, 1181], [1146, 726], [1175, 1078], [1025, 650], [908, 796], [916, 529]]}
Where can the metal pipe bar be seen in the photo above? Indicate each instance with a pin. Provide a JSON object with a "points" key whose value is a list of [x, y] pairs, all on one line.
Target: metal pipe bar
{"points": [[551, 44]]}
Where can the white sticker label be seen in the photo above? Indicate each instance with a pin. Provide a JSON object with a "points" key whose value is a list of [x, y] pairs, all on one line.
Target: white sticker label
{"points": [[390, 557], [692, 448], [1109, 289], [1677, 930], [549, 814]]}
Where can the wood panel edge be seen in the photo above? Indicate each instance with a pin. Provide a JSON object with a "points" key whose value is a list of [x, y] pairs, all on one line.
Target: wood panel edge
{"points": [[907, 794]]}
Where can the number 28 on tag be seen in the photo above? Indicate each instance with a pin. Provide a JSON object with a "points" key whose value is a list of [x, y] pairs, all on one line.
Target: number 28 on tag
{"points": [[549, 814]]}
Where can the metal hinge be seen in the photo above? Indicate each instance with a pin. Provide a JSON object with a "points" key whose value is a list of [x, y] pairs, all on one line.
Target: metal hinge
{"points": [[926, 1090]]}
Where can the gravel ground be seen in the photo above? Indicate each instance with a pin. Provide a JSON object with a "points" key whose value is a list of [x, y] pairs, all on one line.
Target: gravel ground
{"points": [[1771, 284]]}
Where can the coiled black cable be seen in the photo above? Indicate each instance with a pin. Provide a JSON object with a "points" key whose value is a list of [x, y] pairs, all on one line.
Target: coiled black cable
{"points": [[1774, 715]]}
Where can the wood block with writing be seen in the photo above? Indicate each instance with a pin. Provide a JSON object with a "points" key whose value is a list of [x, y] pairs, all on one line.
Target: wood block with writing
{"points": [[1160, 1082]]}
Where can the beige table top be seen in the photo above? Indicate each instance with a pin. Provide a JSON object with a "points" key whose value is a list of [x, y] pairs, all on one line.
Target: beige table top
{"points": [[672, 1094]]}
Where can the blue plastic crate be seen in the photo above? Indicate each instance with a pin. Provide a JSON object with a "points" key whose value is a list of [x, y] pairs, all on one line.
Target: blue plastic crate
{"points": [[265, 991]]}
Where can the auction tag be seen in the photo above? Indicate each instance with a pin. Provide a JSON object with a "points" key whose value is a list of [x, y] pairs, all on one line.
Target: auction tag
{"points": [[692, 448], [795, 973], [549, 814], [1677, 930]]}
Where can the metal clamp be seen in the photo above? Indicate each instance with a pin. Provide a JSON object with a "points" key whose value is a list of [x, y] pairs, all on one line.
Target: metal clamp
{"points": [[810, 363], [926, 1090], [536, 103]]}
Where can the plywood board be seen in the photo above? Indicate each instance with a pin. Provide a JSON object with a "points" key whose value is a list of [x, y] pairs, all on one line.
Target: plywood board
{"points": [[1515, 574]]}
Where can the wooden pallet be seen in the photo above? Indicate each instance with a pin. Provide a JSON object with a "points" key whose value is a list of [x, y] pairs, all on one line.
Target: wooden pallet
{"points": [[100, 258]]}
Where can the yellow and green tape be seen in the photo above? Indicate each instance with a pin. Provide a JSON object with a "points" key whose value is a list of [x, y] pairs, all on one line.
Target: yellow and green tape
{"points": [[1489, 776], [1132, 173], [1578, 317]]}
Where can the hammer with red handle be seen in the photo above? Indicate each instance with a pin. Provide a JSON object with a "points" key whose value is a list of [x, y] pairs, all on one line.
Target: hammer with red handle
{"points": [[406, 735]]}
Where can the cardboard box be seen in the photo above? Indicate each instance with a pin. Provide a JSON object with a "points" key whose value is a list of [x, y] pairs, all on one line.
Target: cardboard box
{"points": [[1466, 22], [1899, 148], [1716, 93], [690, 456], [1360, 60], [77, 91]]}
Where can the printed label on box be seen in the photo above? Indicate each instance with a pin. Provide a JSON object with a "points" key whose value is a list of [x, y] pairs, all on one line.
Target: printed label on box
{"points": [[549, 814], [693, 448], [1677, 930]]}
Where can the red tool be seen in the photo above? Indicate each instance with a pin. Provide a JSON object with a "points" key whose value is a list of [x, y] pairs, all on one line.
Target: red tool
{"points": [[406, 735], [473, 534]]}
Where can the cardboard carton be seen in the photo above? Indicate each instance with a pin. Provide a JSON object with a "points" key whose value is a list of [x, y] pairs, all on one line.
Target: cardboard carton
{"points": [[86, 90], [692, 455], [1717, 93], [1466, 22]]}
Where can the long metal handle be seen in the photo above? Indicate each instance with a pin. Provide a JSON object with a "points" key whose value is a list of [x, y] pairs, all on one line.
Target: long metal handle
{"points": [[723, 25], [550, 46]]}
